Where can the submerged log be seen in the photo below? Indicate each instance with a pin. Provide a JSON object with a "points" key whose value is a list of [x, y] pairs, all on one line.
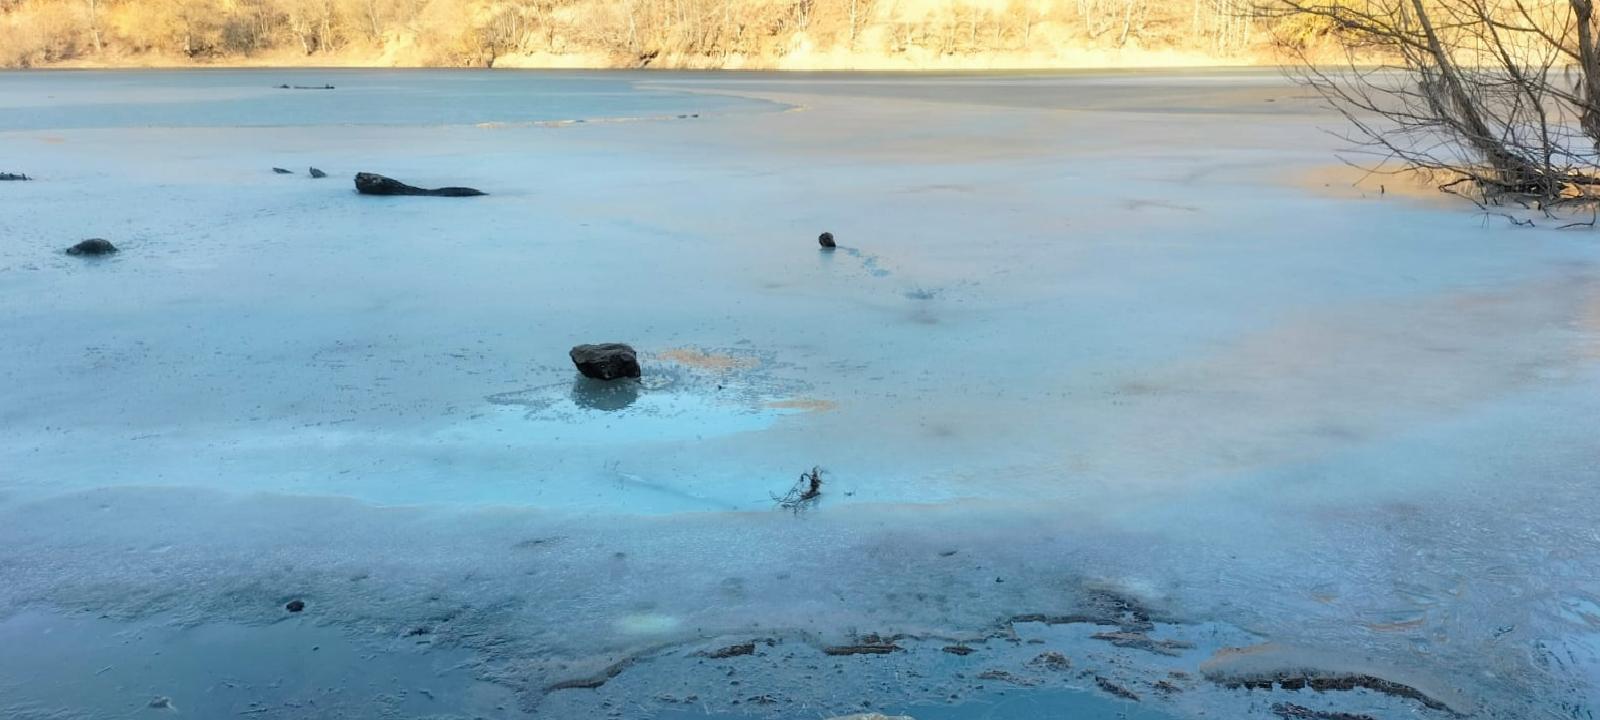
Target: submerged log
{"points": [[375, 184]]}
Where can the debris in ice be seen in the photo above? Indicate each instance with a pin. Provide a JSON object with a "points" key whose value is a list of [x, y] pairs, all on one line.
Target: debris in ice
{"points": [[593, 681], [1051, 660], [1291, 711], [747, 648], [867, 645], [826, 240], [1141, 641], [1003, 676], [805, 493], [1115, 689], [1260, 667]]}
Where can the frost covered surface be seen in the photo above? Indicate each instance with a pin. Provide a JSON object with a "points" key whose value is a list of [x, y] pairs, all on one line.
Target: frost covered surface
{"points": [[1086, 352]]}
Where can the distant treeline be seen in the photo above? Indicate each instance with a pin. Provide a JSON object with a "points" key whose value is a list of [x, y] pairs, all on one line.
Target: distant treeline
{"points": [[616, 33]]}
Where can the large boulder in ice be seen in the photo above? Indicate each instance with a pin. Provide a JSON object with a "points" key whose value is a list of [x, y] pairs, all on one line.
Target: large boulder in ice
{"points": [[375, 184], [606, 361], [92, 247]]}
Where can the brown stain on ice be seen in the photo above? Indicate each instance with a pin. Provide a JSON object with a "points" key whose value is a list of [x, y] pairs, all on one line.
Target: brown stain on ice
{"points": [[1328, 379], [805, 404], [1137, 204], [1345, 182], [1397, 626], [703, 360], [1589, 325]]}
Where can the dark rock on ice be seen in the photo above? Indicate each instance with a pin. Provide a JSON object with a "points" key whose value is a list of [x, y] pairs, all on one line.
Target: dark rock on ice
{"points": [[607, 361], [14, 176], [375, 184], [92, 247], [282, 171], [295, 606], [315, 173], [826, 240]]}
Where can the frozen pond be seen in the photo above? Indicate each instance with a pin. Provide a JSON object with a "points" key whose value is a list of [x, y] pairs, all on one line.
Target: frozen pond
{"points": [[1106, 355]]}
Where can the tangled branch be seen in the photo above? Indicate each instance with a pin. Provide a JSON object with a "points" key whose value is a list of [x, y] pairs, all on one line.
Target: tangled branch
{"points": [[805, 493], [1501, 95]]}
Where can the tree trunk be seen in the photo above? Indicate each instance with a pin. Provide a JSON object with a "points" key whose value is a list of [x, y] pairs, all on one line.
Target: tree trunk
{"points": [[1512, 170], [1589, 69]]}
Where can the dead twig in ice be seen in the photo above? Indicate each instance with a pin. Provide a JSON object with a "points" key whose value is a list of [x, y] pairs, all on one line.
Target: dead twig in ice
{"points": [[805, 492]]}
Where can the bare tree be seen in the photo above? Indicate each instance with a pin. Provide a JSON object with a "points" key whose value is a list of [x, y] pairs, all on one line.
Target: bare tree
{"points": [[1476, 91], [1124, 17], [860, 15], [92, 9]]}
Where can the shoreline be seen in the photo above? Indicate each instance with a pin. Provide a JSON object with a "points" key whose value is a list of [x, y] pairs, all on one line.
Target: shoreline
{"points": [[897, 71], [910, 63]]}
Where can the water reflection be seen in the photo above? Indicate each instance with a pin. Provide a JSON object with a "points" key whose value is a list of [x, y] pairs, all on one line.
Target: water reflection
{"points": [[604, 395]]}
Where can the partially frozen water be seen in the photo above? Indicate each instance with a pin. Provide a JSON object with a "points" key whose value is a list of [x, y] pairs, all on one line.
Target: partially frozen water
{"points": [[1093, 358], [257, 98]]}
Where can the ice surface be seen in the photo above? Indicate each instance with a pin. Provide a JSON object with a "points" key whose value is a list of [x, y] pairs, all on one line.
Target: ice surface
{"points": [[1085, 334]]}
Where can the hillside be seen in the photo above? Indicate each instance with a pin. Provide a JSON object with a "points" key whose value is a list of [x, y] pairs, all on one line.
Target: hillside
{"points": [[766, 34]]}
